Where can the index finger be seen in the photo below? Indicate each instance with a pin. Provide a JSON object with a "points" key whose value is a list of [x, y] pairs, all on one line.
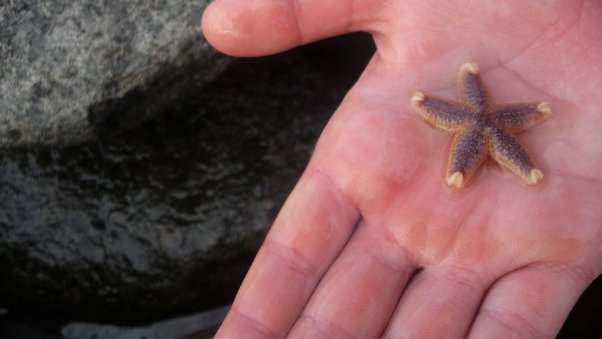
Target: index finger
{"points": [[308, 234]]}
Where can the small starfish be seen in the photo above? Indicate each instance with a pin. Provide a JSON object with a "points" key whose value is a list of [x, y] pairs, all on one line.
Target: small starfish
{"points": [[481, 129]]}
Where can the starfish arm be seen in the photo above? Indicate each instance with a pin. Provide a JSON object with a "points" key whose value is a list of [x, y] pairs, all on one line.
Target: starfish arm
{"points": [[470, 87], [518, 117], [468, 151], [504, 148], [447, 115]]}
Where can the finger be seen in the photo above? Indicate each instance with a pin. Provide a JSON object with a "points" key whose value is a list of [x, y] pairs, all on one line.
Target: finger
{"points": [[440, 302], [313, 226], [530, 303], [359, 292], [261, 27]]}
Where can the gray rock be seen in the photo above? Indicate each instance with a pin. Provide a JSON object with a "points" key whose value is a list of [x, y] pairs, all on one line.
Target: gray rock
{"points": [[73, 70], [201, 325], [164, 219]]}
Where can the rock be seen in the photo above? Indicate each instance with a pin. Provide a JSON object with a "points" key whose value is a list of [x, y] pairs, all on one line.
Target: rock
{"points": [[201, 325], [73, 70], [164, 219]]}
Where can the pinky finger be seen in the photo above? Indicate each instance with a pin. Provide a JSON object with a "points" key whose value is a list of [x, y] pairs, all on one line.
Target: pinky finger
{"points": [[530, 303]]}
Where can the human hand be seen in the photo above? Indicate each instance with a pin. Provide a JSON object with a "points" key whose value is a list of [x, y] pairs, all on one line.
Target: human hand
{"points": [[372, 241]]}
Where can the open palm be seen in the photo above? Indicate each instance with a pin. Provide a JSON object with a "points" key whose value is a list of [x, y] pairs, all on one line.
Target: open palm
{"points": [[372, 242]]}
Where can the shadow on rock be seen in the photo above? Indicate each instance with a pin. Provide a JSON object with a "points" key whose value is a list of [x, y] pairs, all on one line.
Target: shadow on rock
{"points": [[164, 220]]}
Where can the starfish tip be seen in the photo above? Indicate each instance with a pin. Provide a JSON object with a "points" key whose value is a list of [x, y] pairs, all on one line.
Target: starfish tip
{"points": [[470, 67], [534, 176], [456, 180], [417, 98], [544, 107]]}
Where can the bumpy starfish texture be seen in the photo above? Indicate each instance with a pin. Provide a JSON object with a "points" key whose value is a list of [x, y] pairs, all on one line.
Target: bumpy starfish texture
{"points": [[481, 129]]}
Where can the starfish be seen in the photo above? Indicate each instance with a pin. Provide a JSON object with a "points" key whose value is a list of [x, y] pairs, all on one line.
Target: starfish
{"points": [[481, 128]]}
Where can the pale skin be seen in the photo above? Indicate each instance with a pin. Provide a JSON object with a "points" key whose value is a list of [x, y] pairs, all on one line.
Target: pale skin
{"points": [[372, 242]]}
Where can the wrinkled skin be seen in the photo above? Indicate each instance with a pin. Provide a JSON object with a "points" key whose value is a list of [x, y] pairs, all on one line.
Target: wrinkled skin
{"points": [[371, 241]]}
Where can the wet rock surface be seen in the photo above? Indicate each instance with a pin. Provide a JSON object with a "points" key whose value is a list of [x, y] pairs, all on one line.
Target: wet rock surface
{"points": [[73, 70], [164, 219]]}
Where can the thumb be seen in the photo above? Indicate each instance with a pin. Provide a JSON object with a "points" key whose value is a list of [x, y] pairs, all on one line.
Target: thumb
{"points": [[261, 27]]}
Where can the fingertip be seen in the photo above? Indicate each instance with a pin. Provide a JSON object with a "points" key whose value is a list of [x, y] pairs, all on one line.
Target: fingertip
{"points": [[215, 22], [250, 28], [218, 27]]}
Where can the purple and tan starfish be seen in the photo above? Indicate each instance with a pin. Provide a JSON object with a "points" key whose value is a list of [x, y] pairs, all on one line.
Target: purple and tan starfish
{"points": [[481, 128]]}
